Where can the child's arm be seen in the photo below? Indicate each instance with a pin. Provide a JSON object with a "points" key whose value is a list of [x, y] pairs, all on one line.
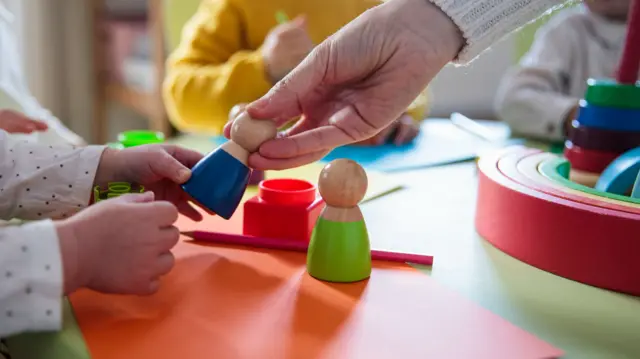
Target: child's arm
{"points": [[211, 71], [534, 98], [32, 278], [38, 181]]}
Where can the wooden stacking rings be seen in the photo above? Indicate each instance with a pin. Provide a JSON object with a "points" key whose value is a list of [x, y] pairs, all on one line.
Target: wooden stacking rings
{"points": [[577, 234]]}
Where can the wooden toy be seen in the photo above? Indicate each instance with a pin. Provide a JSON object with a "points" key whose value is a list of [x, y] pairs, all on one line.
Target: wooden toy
{"points": [[635, 193], [523, 167], [220, 179], [584, 178], [588, 160], [556, 169], [339, 249], [592, 244], [609, 118], [596, 139], [283, 209], [297, 246], [620, 175], [256, 177], [609, 106]]}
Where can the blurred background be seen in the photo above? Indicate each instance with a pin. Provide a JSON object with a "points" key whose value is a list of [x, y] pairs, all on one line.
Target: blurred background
{"points": [[98, 64]]}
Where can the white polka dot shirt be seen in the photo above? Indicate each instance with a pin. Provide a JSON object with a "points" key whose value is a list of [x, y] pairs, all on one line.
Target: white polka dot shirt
{"points": [[37, 183]]}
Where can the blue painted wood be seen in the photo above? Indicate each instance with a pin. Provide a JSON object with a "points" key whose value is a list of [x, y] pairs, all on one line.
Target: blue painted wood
{"points": [[621, 174], [218, 182], [609, 118], [636, 187]]}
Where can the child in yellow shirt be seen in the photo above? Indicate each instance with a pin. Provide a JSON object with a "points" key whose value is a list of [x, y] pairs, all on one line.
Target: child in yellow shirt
{"points": [[233, 51]]}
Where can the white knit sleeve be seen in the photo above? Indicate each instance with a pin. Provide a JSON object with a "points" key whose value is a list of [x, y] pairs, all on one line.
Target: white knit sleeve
{"points": [[484, 22]]}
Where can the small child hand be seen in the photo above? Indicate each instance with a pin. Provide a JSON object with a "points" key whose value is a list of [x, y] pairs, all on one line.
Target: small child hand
{"points": [[15, 122], [161, 169], [402, 131], [120, 245], [285, 47]]}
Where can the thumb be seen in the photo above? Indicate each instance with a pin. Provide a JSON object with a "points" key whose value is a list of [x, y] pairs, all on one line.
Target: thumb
{"points": [[166, 166], [135, 197], [282, 102]]}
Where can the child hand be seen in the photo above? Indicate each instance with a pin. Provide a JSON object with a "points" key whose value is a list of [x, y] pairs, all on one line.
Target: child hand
{"points": [[15, 122], [120, 245], [402, 131], [285, 47], [159, 168]]}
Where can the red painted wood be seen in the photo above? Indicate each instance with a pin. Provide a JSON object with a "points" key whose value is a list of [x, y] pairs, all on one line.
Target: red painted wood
{"points": [[588, 244]]}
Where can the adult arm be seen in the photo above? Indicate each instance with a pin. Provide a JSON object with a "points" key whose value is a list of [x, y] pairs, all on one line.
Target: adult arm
{"points": [[533, 98], [211, 71], [484, 22]]}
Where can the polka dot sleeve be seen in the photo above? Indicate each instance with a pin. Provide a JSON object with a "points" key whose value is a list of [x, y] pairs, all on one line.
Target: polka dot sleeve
{"points": [[39, 181], [31, 281]]}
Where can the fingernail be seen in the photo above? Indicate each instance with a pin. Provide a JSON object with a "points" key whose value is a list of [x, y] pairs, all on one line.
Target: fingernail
{"points": [[183, 175]]}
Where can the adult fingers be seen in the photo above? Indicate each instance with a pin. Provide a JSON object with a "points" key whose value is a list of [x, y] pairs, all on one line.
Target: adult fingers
{"points": [[258, 162], [236, 110], [284, 100], [345, 126]]}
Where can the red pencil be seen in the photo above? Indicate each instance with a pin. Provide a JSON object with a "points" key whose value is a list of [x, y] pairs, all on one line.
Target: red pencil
{"points": [[297, 246]]}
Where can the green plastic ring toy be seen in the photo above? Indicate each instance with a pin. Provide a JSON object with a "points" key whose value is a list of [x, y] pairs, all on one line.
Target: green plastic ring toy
{"points": [[139, 137], [557, 170], [115, 189], [609, 93]]}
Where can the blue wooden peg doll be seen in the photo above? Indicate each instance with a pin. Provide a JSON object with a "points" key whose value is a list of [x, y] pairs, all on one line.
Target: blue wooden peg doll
{"points": [[220, 179]]}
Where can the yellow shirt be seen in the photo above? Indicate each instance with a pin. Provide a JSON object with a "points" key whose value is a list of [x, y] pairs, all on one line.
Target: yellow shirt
{"points": [[219, 64]]}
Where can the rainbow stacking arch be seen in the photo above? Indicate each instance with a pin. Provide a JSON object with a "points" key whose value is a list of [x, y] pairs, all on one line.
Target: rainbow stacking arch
{"points": [[528, 208]]}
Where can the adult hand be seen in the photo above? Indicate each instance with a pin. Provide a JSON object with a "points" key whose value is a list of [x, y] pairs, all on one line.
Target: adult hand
{"points": [[356, 82], [15, 122], [120, 245], [285, 47], [400, 132], [159, 168]]}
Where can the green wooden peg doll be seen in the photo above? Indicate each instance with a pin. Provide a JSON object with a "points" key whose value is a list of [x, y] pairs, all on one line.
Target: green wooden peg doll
{"points": [[339, 249]]}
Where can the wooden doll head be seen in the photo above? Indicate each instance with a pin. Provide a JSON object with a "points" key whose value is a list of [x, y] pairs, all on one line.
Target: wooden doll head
{"points": [[250, 133], [342, 183]]}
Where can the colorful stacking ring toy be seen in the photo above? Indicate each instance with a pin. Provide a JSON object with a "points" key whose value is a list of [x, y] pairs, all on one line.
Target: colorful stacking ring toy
{"points": [[597, 139], [608, 121], [609, 118], [533, 216], [588, 160], [139, 137], [115, 189]]}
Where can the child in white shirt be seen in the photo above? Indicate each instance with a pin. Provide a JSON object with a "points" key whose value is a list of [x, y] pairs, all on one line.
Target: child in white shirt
{"points": [[120, 245], [539, 98], [15, 94]]}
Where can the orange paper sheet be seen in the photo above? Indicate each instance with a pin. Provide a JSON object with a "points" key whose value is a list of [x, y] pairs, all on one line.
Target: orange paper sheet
{"points": [[237, 303]]}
